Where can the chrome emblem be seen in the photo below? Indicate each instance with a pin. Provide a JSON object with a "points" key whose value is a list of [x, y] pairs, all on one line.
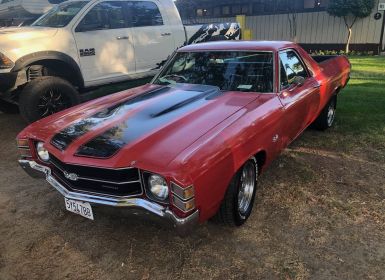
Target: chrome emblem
{"points": [[71, 176]]}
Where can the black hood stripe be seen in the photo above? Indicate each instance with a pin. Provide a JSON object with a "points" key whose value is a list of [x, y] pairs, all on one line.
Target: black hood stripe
{"points": [[172, 106], [76, 130]]}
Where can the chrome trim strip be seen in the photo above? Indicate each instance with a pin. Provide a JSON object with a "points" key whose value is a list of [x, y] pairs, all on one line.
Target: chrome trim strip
{"points": [[101, 181], [99, 167], [105, 195], [182, 225]]}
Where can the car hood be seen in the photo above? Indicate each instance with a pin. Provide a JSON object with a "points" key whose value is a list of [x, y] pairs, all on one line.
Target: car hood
{"points": [[149, 125], [13, 38]]}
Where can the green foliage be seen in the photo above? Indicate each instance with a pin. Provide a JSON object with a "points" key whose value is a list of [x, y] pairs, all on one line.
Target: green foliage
{"points": [[355, 8], [340, 52]]}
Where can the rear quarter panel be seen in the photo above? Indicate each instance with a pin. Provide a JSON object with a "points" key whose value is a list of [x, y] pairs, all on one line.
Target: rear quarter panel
{"points": [[332, 74]]}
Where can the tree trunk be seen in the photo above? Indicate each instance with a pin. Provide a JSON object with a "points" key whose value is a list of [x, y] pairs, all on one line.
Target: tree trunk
{"points": [[347, 50]]}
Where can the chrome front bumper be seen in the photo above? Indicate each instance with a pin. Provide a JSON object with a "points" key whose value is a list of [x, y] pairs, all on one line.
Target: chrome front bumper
{"points": [[182, 225]]}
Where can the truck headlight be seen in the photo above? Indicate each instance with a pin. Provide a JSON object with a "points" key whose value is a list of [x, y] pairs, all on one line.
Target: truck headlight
{"points": [[5, 62], [42, 152], [158, 187]]}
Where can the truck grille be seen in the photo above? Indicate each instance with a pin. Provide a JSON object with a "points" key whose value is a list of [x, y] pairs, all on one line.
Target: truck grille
{"points": [[111, 182]]}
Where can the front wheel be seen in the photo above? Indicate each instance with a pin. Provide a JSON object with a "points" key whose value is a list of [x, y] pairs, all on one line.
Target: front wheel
{"points": [[326, 119], [45, 96], [239, 199]]}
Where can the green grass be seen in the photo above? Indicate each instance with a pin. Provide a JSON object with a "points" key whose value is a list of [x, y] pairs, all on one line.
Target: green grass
{"points": [[361, 106], [360, 123]]}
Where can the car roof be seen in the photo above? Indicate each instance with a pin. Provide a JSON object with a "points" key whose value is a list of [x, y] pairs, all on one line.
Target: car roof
{"points": [[239, 45]]}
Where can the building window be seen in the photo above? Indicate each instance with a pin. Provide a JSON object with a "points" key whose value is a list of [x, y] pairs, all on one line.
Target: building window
{"points": [[314, 4], [245, 9], [282, 5], [269, 6], [236, 9], [225, 10], [217, 12], [258, 8], [202, 12]]}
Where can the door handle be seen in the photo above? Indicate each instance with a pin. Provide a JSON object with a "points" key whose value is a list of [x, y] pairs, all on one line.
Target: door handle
{"points": [[317, 86], [122, 38], [165, 34]]}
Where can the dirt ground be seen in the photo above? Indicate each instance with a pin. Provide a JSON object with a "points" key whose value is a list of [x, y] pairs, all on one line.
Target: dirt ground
{"points": [[319, 214]]}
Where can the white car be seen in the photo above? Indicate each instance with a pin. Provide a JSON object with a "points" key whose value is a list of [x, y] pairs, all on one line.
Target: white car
{"points": [[82, 44]]}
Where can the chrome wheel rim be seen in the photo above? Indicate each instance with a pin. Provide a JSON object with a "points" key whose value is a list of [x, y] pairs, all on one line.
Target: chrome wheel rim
{"points": [[331, 114], [246, 189], [52, 101]]}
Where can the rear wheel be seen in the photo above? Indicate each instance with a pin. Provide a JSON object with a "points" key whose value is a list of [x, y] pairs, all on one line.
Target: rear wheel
{"points": [[326, 119], [45, 96], [239, 199]]}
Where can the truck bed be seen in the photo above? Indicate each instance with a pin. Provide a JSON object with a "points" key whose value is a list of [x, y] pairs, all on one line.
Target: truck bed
{"points": [[322, 58]]}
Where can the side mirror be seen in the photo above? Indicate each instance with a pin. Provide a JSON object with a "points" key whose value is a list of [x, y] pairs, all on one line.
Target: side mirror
{"points": [[299, 81]]}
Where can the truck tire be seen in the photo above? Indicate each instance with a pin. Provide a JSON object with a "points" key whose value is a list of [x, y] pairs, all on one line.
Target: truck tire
{"points": [[45, 96], [326, 119], [239, 199], [8, 108]]}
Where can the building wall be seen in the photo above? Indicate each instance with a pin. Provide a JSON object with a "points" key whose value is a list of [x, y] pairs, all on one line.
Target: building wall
{"points": [[316, 30]]}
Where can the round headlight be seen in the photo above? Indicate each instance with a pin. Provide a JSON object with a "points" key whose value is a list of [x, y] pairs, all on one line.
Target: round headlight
{"points": [[158, 186], [42, 152]]}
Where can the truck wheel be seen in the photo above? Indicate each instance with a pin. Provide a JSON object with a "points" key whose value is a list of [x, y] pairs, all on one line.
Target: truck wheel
{"points": [[326, 119], [45, 96], [8, 108], [239, 199]]}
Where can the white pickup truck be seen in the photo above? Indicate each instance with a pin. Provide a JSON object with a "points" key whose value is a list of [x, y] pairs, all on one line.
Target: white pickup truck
{"points": [[82, 44]]}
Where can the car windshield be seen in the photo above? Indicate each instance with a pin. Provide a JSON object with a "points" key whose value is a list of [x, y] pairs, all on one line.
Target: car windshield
{"points": [[228, 70], [60, 15]]}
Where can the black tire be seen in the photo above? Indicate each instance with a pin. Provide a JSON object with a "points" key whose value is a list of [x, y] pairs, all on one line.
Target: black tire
{"points": [[326, 119], [45, 96], [8, 108], [229, 212]]}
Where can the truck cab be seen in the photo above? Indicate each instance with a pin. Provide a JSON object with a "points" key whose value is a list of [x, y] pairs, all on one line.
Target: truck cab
{"points": [[83, 44]]}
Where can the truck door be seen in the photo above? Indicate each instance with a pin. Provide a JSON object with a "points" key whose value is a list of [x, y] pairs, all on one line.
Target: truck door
{"points": [[151, 34], [299, 93], [104, 43]]}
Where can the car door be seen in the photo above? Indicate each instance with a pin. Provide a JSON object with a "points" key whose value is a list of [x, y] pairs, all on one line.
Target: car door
{"points": [[296, 97], [104, 42], [151, 35]]}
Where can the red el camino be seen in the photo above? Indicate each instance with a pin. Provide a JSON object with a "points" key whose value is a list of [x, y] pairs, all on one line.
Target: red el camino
{"points": [[191, 144]]}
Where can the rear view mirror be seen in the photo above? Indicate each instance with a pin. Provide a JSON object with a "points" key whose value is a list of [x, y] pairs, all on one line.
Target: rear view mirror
{"points": [[299, 81]]}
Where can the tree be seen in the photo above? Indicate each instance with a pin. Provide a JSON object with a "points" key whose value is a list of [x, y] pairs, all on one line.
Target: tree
{"points": [[350, 11], [292, 18]]}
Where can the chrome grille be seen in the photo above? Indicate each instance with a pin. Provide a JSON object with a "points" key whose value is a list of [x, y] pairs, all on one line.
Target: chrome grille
{"points": [[112, 182]]}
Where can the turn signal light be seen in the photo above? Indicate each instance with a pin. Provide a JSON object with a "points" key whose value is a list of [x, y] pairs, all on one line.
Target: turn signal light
{"points": [[184, 206], [5, 62], [23, 143], [25, 153], [24, 149], [184, 194], [183, 198]]}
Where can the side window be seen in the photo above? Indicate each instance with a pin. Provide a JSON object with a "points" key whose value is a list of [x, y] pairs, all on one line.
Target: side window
{"points": [[284, 82], [291, 66], [105, 15], [145, 13]]}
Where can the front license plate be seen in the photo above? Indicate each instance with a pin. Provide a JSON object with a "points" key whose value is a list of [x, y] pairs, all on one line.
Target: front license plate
{"points": [[81, 208]]}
